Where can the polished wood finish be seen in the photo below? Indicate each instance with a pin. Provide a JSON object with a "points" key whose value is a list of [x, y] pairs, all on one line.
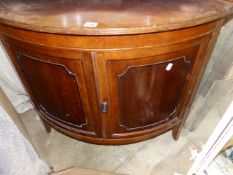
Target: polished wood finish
{"points": [[147, 91], [129, 85], [112, 17]]}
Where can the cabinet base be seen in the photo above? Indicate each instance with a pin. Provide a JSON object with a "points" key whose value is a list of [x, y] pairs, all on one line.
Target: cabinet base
{"points": [[173, 125]]}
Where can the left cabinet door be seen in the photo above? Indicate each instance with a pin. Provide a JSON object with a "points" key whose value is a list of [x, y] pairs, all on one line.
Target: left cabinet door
{"points": [[55, 78]]}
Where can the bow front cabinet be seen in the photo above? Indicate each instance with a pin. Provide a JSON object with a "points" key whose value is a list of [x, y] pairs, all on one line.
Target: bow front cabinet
{"points": [[117, 80]]}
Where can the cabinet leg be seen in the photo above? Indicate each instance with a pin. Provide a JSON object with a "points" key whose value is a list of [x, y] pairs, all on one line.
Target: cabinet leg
{"points": [[47, 127], [176, 132]]}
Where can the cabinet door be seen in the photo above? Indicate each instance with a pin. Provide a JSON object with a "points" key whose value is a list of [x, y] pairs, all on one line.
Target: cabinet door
{"points": [[145, 92], [58, 86]]}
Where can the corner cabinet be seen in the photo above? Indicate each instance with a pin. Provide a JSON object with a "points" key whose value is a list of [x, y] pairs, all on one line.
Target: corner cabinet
{"points": [[107, 88]]}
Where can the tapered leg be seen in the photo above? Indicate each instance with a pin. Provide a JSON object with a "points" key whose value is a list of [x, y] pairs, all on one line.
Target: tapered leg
{"points": [[47, 127], [176, 132]]}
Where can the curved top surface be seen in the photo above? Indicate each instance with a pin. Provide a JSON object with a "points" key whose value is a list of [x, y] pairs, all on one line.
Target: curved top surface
{"points": [[110, 17]]}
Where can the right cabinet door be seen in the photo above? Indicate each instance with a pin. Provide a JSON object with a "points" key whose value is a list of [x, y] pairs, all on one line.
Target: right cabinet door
{"points": [[146, 92]]}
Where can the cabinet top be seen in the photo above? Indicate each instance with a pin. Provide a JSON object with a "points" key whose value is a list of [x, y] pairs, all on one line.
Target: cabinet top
{"points": [[110, 17]]}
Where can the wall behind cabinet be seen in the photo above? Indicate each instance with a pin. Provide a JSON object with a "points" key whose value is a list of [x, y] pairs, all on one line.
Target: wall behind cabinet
{"points": [[217, 79]]}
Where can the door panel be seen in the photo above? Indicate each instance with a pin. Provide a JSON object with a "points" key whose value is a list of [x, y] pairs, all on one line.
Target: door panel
{"points": [[57, 84], [145, 92], [148, 94], [56, 89]]}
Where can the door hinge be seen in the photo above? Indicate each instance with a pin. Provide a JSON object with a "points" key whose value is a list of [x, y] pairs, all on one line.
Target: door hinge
{"points": [[104, 107]]}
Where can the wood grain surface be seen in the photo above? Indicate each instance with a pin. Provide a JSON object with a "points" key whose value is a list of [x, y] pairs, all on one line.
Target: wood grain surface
{"points": [[110, 17]]}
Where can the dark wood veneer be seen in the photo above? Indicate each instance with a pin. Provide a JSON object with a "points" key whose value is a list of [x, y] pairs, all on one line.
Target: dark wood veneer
{"points": [[58, 101], [144, 98]]}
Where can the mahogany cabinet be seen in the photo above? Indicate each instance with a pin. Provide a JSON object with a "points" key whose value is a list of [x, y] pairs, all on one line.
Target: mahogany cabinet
{"points": [[111, 82]]}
